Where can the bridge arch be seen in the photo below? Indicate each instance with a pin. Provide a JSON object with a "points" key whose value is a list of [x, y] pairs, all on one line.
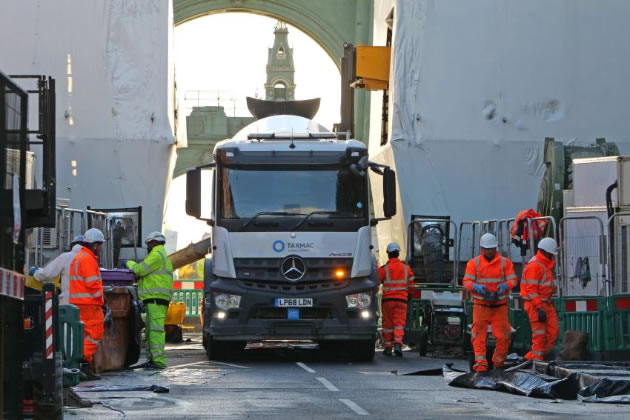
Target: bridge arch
{"points": [[329, 22]]}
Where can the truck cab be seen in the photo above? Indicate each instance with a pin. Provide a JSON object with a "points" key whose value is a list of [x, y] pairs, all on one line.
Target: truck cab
{"points": [[291, 238]]}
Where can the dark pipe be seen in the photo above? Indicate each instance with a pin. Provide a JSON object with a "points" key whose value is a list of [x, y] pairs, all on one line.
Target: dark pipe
{"points": [[609, 206]]}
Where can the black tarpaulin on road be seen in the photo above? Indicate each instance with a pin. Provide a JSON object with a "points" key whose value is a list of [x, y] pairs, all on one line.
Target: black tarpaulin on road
{"points": [[587, 381]]}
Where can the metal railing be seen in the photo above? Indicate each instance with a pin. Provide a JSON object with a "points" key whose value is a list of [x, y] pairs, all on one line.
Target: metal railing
{"points": [[582, 257], [619, 264], [413, 250]]}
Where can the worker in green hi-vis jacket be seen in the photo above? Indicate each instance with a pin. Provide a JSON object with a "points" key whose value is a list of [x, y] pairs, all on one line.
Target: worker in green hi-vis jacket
{"points": [[155, 289]]}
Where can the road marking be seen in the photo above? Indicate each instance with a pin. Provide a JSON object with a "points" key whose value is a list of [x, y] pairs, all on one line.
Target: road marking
{"points": [[306, 368], [327, 384], [230, 364], [354, 407], [189, 364], [209, 361]]}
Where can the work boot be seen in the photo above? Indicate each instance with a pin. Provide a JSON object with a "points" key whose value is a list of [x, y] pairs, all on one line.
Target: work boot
{"points": [[87, 374], [387, 351], [154, 366], [397, 350]]}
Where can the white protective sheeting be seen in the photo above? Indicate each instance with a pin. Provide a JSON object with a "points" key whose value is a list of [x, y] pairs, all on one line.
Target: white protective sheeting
{"points": [[475, 87], [113, 64]]}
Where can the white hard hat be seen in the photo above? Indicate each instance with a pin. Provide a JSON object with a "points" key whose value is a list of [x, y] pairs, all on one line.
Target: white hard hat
{"points": [[78, 239], [93, 235], [488, 241], [393, 247], [549, 245], [155, 236]]}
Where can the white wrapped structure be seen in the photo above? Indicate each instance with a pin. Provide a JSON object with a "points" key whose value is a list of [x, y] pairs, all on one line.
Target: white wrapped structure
{"points": [[475, 87]]}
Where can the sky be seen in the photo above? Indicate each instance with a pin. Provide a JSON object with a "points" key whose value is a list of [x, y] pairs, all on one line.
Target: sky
{"points": [[224, 56], [221, 58]]}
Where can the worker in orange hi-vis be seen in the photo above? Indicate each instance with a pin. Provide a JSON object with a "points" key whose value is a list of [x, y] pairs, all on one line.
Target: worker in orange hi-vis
{"points": [[537, 288], [86, 292], [490, 277], [397, 279]]}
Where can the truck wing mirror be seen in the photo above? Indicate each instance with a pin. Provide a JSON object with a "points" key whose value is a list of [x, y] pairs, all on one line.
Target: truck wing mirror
{"points": [[193, 193], [389, 192]]}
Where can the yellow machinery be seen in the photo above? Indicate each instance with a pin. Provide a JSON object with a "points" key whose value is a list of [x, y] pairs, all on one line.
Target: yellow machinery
{"points": [[372, 67]]}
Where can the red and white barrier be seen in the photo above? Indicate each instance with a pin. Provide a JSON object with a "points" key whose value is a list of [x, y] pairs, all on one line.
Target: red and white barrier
{"points": [[187, 285], [11, 284], [49, 325], [587, 305]]}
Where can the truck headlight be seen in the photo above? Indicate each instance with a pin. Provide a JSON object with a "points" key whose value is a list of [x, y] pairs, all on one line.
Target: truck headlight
{"points": [[225, 301], [359, 300]]}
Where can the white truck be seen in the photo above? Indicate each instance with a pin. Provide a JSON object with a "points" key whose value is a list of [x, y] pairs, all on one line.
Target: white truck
{"points": [[291, 238]]}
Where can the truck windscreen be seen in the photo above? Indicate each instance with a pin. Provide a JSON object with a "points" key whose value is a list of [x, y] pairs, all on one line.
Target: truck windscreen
{"points": [[244, 193]]}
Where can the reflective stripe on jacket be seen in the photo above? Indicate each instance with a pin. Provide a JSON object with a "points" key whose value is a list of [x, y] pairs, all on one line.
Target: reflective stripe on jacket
{"points": [[397, 279], [86, 286], [155, 273], [490, 274], [537, 285]]}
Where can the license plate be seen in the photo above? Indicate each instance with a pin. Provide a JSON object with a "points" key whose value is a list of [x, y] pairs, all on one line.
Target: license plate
{"points": [[294, 302]]}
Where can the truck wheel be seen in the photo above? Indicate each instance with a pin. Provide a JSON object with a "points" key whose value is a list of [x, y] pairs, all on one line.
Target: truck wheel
{"points": [[363, 351], [423, 344]]}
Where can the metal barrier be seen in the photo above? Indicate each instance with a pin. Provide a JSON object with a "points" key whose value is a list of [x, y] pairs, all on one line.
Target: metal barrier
{"points": [[468, 240], [193, 300], [619, 266], [582, 257], [413, 235]]}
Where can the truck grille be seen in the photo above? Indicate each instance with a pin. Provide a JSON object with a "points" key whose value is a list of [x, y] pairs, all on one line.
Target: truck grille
{"points": [[268, 269], [286, 287]]}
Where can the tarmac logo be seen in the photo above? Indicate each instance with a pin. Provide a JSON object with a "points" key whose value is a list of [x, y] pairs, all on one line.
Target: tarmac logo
{"points": [[278, 246]]}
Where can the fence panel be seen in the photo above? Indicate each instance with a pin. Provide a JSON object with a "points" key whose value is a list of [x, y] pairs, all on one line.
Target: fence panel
{"points": [[432, 250], [583, 314], [582, 257], [193, 300], [619, 228], [618, 323]]}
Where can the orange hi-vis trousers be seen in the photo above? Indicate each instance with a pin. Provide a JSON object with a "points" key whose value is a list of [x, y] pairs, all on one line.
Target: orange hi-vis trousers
{"points": [[497, 318], [93, 319], [394, 320], [544, 334]]}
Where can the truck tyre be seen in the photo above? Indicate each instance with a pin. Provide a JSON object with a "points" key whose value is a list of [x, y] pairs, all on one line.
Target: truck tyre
{"points": [[363, 350]]}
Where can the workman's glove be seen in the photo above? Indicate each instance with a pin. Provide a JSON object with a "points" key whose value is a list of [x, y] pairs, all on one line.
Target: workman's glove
{"points": [[129, 264], [502, 288], [542, 316], [480, 289], [32, 271], [107, 317]]}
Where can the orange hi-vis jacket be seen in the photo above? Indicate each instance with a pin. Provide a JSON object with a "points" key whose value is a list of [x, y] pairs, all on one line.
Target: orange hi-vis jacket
{"points": [[490, 274], [538, 226], [86, 285], [537, 285], [397, 279]]}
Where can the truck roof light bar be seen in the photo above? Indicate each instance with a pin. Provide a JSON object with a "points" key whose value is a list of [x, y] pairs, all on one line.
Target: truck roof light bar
{"points": [[300, 136]]}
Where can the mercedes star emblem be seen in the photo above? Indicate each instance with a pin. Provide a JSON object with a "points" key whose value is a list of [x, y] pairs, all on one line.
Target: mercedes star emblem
{"points": [[293, 268]]}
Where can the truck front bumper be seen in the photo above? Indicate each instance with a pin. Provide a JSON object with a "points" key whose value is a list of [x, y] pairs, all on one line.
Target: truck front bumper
{"points": [[257, 317]]}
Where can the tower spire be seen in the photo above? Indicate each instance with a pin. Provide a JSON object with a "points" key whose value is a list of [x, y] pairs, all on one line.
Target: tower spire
{"points": [[280, 85]]}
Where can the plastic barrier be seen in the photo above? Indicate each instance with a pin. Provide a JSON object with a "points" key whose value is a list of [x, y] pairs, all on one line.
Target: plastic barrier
{"points": [[193, 300], [583, 314], [617, 326], [71, 338]]}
